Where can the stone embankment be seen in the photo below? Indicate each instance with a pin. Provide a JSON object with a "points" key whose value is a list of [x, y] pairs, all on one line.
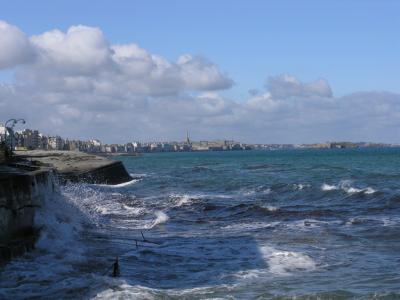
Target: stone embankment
{"points": [[80, 167], [22, 190], [33, 175]]}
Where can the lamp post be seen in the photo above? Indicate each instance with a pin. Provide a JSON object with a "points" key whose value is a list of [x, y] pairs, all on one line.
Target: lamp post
{"points": [[9, 125]]}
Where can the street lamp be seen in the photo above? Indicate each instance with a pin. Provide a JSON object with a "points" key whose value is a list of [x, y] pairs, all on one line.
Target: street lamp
{"points": [[10, 131]]}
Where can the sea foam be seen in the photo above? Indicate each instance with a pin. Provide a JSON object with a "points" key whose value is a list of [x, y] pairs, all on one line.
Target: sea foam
{"points": [[161, 218], [124, 184], [346, 186], [286, 262]]}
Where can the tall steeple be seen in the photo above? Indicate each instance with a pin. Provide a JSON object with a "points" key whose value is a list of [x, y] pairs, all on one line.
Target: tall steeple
{"points": [[187, 137]]}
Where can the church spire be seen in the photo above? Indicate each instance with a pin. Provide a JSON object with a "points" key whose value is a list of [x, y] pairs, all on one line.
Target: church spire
{"points": [[187, 137]]}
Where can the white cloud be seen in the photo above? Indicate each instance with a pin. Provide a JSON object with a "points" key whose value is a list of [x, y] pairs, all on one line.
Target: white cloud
{"points": [[80, 51], [199, 74], [285, 86], [83, 60], [77, 84], [15, 48]]}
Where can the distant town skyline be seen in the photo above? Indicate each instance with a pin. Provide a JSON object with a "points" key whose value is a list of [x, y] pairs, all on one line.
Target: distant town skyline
{"points": [[254, 71], [31, 139]]}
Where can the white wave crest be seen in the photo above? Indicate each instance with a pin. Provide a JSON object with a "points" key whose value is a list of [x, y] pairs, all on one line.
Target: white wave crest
{"points": [[346, 186], [286, 262], [271, 208], [300, 186], [369, 190], [180, 200], [249, 226], [326, 187], [128, 183], [161, 217]]}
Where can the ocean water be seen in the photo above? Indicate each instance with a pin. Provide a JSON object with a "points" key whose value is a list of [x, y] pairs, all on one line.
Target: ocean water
{"points": [[223, 225]]}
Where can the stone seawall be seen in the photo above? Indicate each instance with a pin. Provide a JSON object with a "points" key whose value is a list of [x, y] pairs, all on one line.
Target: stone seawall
{"points": [[80, 167], [22, 190], [32, 176], [113, 173]]}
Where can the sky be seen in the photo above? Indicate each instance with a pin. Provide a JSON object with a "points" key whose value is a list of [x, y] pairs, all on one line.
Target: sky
{"points": [[254, 71]]}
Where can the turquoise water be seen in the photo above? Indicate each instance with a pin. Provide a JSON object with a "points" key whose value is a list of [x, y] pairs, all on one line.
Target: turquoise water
{"points": [[242, 225]]}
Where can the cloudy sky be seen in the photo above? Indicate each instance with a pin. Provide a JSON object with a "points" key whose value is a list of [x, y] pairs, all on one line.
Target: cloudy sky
{"points": [[256, 71]]}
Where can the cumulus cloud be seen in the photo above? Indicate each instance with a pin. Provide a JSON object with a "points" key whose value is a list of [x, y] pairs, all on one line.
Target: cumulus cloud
{"points": [[82, 59], [77, 84], [15, 48], [200, 74], [285, 86], [80, 51]]}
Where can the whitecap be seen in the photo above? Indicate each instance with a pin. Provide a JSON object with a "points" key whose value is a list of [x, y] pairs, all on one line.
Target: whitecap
{"points": [[345, 185], [124, 184], [300, 186], [284, 263], [326, 187], [249, 226], [271, 208], [180, 200], [161, 217], [369, 190], [352, 190], [134, 210]]}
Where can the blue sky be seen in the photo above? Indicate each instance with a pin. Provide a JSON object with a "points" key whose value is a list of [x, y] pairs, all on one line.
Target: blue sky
{"points": [[150, 70], [355, 45]]}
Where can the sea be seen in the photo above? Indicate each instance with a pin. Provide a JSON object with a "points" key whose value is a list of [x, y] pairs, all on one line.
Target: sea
{"points": [[286, 224]]}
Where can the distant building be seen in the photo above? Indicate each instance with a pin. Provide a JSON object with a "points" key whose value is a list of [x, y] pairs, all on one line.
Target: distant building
{"points": [[342, 145], [2, 133], [71, 145], [30, 139], [55, 143], [43, 142], [155, 147]]}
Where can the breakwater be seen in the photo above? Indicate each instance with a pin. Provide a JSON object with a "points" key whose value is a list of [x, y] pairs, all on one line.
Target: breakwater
{"points": [[79, 167], [33, 176], [22, 189]]}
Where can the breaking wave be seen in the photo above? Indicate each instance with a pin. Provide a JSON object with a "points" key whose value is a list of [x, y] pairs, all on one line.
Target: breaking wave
{"points": [[161, 218], [282, 262], [345, 185], [124, 184]]}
